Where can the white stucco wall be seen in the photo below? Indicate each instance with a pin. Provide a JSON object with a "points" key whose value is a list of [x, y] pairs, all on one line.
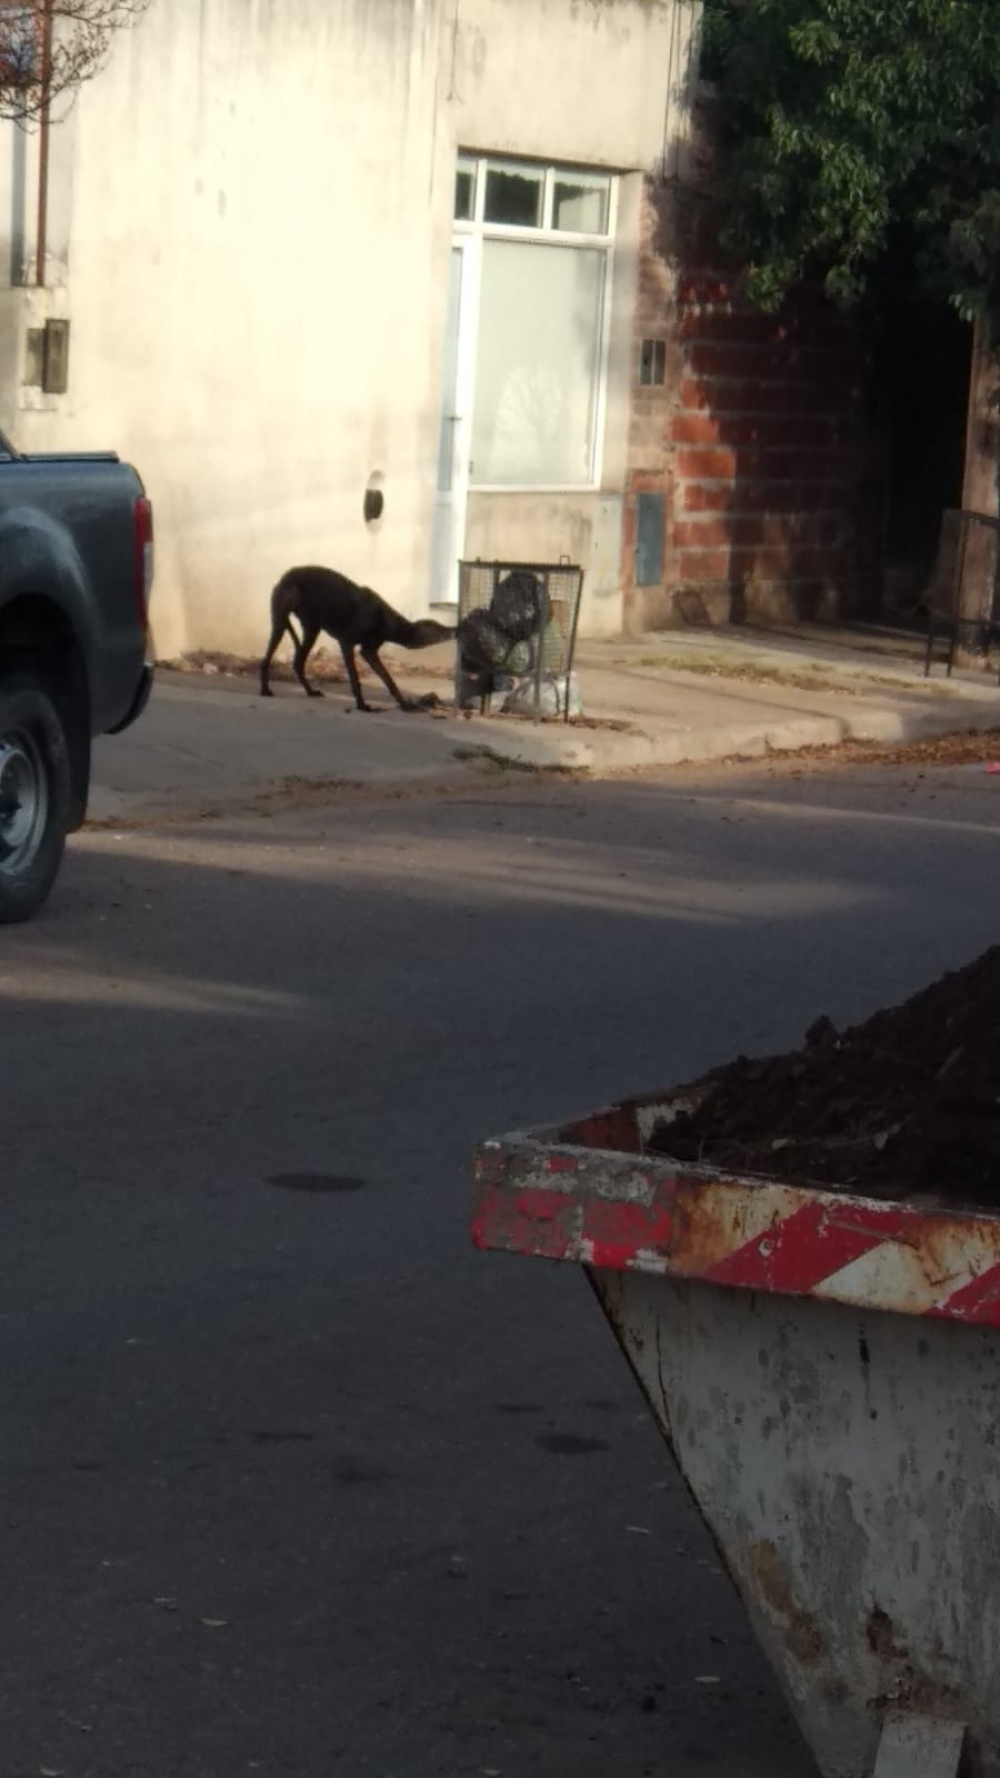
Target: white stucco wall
{"points": [[251, 221], [571, 80]]}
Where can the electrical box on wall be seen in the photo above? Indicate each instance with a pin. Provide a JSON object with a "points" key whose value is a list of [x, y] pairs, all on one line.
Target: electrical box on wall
{"points": [[653, 363], [46, 358], [55, 368], [649, 518]]}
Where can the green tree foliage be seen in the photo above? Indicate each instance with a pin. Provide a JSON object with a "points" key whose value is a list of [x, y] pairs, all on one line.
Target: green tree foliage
{"points": [[862, 140]]}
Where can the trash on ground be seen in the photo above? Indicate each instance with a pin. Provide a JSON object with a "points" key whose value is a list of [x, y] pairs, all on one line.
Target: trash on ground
{"points": [[548, 699]]}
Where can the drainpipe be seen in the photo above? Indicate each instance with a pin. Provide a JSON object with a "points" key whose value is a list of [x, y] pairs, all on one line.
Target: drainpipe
{"points": [[45, 130]]}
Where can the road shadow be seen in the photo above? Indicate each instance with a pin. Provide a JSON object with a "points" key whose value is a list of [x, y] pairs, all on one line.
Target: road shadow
{"points": [[293, 1477]]}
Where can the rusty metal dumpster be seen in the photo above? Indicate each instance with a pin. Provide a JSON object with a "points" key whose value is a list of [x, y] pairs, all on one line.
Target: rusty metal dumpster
{"points": [[825, 1369]]}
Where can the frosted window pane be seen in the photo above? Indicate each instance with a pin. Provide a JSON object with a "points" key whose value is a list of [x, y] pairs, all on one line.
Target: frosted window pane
{"points": [[538, 364], [580, 206]]}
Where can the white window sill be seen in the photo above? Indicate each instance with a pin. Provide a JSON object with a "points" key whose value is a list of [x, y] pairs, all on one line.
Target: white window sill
{"points": [[535, 488]]}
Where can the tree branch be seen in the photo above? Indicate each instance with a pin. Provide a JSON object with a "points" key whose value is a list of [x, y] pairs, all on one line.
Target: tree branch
{"points": [[80, 33]]}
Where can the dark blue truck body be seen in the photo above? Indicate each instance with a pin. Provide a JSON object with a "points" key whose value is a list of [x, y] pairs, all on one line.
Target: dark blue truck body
{"points": [[76, 545]]}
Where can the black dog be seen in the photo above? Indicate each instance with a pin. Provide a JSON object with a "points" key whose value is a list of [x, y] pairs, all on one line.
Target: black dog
{"points": [[355, 617]]}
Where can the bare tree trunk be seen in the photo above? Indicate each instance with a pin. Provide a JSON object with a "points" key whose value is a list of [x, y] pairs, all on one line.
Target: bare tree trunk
{"points": [[981, 487], [978, 562]]}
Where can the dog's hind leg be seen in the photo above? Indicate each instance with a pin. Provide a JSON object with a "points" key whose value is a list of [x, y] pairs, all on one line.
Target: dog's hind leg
{"points": [[278, 628], [347, 650], [303, 648], [370, 655]]}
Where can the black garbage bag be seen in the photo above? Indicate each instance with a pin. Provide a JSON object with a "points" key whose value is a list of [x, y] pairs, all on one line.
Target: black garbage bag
{"points": [[483, 646], [520, 605]]}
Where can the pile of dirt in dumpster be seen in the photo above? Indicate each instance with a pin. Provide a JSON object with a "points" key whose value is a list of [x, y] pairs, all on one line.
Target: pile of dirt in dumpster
{"points": [[907, 1102]]}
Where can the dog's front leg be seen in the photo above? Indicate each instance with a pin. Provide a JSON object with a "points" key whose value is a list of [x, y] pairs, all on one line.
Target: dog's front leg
{"points": [[347, 650], [371, 656]]}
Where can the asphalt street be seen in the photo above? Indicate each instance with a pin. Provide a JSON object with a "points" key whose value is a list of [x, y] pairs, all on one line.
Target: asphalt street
{"points": [[293, 1481]]}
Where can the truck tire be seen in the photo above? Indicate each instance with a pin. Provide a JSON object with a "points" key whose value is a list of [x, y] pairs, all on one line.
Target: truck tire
{"points": [[35, 796]]}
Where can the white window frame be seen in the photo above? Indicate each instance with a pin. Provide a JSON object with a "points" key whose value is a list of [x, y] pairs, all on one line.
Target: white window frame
{"points": [[544, 235]]}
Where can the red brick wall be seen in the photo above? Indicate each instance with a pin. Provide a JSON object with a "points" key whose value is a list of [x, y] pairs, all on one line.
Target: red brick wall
{"points": [[755, 439]]}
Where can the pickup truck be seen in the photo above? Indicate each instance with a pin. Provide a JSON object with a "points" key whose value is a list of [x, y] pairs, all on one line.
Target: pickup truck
{"points": [[76, 565]]}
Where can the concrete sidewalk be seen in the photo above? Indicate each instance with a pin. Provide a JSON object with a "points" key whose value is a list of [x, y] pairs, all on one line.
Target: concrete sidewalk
{"points": [[651, 701]]}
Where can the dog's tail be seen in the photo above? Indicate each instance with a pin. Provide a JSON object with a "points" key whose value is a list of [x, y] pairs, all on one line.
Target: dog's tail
{"points": [[423, 634]]}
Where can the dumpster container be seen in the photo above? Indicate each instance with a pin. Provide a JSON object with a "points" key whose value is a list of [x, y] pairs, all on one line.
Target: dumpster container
{"points": [[825, 1369]]}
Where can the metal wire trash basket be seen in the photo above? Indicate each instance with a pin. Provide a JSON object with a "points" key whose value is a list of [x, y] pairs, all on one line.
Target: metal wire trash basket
{"points": [[517, 624], [964, 596]]}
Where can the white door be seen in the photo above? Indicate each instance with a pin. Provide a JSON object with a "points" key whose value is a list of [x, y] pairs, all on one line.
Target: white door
{"points": [[453, 440]]}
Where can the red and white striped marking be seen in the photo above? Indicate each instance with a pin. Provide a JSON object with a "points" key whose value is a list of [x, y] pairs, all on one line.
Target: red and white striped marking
{"points": [[590, 1196]]}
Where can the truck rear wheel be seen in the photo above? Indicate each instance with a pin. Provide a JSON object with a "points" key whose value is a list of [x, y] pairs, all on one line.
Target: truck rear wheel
{"points": [[35, 796]]}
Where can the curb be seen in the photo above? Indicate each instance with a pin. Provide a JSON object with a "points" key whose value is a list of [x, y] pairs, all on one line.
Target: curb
{"points": [[594, 753], [641, 749]]}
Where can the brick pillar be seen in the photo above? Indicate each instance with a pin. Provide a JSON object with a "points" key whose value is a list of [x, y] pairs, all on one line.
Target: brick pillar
{"points": [[755, 437]]}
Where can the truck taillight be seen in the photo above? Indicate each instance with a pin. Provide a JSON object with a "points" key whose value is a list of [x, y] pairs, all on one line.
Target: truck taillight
{"points": [[143, 556]]}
